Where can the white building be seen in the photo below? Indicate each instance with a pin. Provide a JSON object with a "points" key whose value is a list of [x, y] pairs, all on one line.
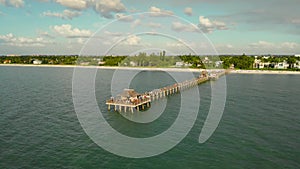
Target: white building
{"points": [[207, 61], [182, 64], [37, 62], [297, 64], [84, 63], [101, 63], [281, 65], [258, 64], [132, 63], [179, 64], [218, 63]]}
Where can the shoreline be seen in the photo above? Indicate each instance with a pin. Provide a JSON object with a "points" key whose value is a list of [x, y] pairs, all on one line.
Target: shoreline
{"points": [[108, 67], [275, 72], [159, 69]]}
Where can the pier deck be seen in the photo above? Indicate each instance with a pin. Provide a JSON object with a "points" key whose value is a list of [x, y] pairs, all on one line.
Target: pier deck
{"points": [[124, 105], [131, 100]]}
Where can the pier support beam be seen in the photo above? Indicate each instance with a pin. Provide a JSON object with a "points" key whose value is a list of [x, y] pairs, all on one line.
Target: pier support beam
{"points": [[156, 94]]}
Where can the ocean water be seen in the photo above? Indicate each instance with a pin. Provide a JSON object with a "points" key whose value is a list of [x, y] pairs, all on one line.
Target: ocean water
{"points": [[260, 127]]}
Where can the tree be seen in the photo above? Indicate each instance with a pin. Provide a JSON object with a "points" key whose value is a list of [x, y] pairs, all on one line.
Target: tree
{"points": [[291, 61]]}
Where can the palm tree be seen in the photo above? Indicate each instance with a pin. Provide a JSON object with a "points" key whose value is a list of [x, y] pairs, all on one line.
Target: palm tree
{"points": [[291, 61]]}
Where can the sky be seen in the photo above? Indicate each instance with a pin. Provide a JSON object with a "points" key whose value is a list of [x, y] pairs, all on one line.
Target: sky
{"points": [[127, 27]]}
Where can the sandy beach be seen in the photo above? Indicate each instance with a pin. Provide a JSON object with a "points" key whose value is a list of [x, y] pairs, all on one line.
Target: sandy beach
{"points": [[108, 67], [263, 72], [158, 69]]}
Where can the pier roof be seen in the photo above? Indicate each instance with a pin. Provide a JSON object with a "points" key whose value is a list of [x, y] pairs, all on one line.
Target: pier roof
{"points": [[129, 93]]}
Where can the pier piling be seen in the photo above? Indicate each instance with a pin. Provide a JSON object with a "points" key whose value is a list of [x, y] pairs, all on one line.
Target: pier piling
{"points": [[130, 99]]}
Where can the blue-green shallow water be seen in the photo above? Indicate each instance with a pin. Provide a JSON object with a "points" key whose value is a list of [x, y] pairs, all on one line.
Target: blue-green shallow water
{"points": [[260, 127]]}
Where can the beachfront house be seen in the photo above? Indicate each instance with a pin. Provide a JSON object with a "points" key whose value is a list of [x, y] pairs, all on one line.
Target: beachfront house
{"points": [[297, 64], [218, 63], [37, 62], [281, 65], [7, 61], [207, 61], [182, 64], [101, 63], [84, 63], [258, 64], [132, 63], [266, 57], [179, 64]]}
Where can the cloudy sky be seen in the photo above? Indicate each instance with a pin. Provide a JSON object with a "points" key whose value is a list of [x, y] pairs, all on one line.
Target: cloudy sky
{"points": [[131, 26]]}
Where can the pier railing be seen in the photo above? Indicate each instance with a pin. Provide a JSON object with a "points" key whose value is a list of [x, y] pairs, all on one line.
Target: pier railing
{"points": [[145, 99]]}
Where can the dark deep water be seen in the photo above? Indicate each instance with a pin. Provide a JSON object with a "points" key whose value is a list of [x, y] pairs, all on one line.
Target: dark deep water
{"points": [[260, 127]]}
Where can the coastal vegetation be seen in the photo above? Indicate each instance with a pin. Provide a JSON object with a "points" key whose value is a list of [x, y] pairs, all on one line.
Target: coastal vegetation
{"points": [[243, 61], [45, 59]]}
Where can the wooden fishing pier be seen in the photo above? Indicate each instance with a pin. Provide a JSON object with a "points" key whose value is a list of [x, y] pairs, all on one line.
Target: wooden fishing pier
{"points": [[130, 100]]}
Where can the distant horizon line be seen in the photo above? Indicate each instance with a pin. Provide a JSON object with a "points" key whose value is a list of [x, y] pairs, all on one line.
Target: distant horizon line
{"points": [[11, 55]]}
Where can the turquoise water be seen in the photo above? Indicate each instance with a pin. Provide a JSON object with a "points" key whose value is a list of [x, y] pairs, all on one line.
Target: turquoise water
{"points": [[39, 128]]}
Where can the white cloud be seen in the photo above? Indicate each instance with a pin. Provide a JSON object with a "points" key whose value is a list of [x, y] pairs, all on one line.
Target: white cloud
{"points": [[229, 46], [73, 4], [133, 10], [80, 40], [182, 47], [106, 7], [113, 33], [12, 3], [266, 47], [262, 44], [125, 18], [154, 25], [188, 11], [133, 40], [66, 30], [295, 21], [66, 14], [224, 46], [175, 45], [136, 23], [290, 45], [45, 34], [154, 33], [208, 26], [180, 27], [12, 40], [159, 12], [17, 3], [270, 45]]}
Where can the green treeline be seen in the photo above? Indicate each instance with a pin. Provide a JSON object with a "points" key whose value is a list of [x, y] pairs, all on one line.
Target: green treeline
{"points": [[239, 62], [28, 59], [153, 60]]}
